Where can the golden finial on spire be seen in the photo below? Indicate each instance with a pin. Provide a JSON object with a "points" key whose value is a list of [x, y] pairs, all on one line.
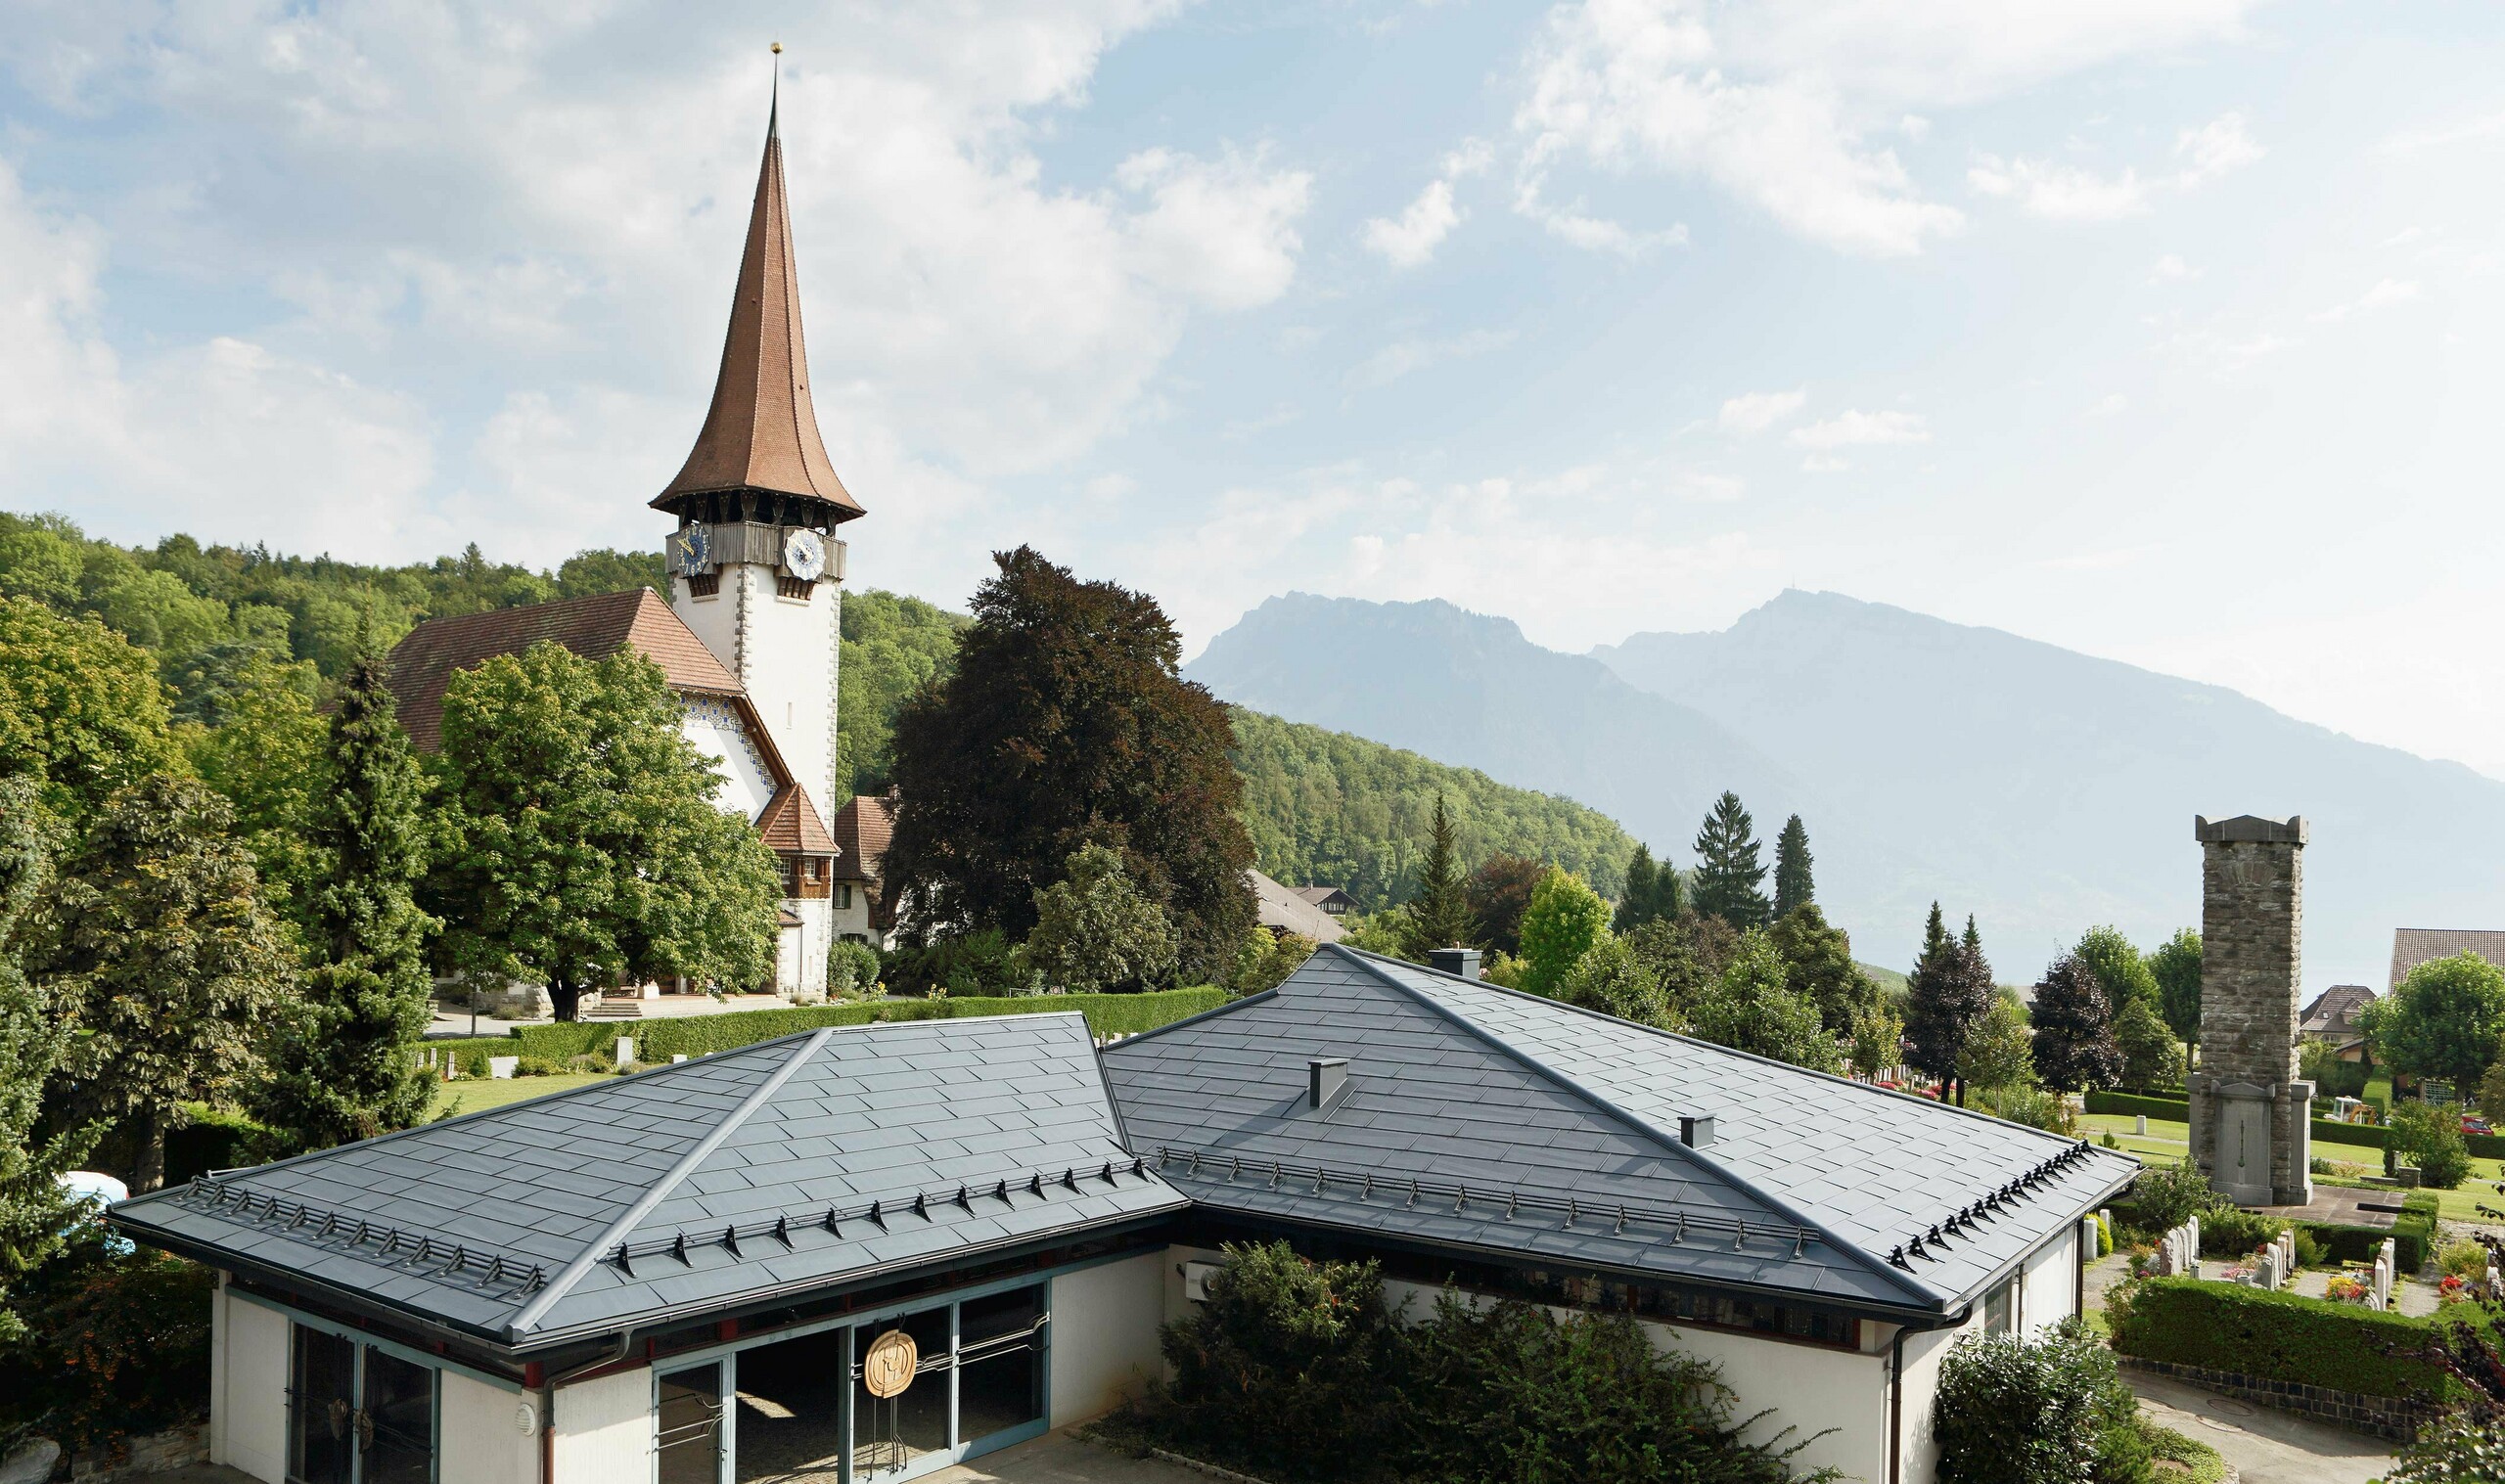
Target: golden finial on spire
{"points": [[777, 49]]}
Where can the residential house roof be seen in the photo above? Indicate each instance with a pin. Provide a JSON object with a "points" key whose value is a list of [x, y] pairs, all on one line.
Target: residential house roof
{"points": [[1331, 899], [2333, 1013], [837, 1155], [2413, 946], [790, 825], [423, 663], [1500, 1104], [862, 828], [1283, 909]]}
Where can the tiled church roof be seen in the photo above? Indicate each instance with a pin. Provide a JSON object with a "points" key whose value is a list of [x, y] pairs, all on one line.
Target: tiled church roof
{"points": [[595, 628]]}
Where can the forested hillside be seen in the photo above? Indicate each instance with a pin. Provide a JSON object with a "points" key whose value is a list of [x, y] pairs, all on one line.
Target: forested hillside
{"points": [[224, 624], [1326, 806]]}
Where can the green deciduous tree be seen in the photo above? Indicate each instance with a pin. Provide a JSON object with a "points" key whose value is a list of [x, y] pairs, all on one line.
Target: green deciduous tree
{"points": [[1499, 893], [2176, 968], [2047, 1409], [265, 754], [1267, 959], [2075, 1029], [894, 646], [1948, 991], [345, 1069], [1438, 915], [175, 974], [34, 1041], [1820, 969], [81, 712], [2152, 1058], [1097, 932], [577, 841], [1668, 954], [1066, 723], [1612, 977], [2118, 967], [1996, 1057], [2442, 1021], [1565, 919], [1794, 886], [1728, 873], [1750, 1008]]}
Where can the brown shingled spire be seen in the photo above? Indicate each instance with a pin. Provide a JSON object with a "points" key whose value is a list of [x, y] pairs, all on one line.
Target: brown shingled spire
{"points": [[762, 432]]}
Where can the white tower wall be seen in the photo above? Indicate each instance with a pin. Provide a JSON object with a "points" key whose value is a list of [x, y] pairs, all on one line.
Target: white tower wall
{"points": [[785, 652]]}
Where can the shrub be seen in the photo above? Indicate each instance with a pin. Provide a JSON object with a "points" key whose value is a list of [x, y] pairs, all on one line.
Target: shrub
{"points": [[116, 1346], [2173, 1109], [2431, 1138], [978, 963], [2464, 1259], [1280, 1369], [2461, 1449], [2278, 1337], [2230, 1233], [2044, 1411], [657, 1041], [851, 969], [2104, 1234], [538, 1066], [1268, 958], [2166, 1195], [2033, 1107], [2310, 1253]]}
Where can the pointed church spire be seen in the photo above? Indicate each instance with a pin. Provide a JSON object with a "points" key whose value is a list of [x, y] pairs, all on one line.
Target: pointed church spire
{"points": [[761, 436]]}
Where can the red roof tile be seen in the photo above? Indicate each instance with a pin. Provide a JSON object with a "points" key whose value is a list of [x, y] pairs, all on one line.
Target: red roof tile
{"points": [[790, 825], [593, 627], [862, 828]]}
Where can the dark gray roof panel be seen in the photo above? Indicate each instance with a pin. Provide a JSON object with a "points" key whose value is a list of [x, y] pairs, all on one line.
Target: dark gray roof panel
{"points": [[1461, 1084], [538, 1196]]}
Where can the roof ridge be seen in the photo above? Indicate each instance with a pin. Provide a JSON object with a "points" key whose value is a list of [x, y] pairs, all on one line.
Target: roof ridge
{"points": [[1868, 1260], [1866, 1089], [658, 1190]]}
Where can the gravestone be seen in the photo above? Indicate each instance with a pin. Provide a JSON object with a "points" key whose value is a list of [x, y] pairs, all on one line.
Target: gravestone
{"points": [[2250, 1114]]}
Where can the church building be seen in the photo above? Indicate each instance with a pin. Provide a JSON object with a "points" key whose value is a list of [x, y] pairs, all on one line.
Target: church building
{"points": [[750, 638]]}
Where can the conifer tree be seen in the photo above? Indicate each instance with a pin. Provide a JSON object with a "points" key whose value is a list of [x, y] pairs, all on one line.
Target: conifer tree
{"points": [[1949, 992], [346, 1071], [1728, 875], [1793, 886], [2075, 1029], [1438, 915], [1651, 893]]}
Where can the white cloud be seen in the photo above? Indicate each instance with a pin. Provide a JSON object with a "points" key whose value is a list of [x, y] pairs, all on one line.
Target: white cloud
{"points": [[2221, 354], [2386, 293], [1857, 428], [2214, 150], [1222, 231], [1401, 357], [2059, 191], [1914, 126], [1825, 463], [2172, 269], [1622, 86], [1752, 413], [2108, 404], [1411, 239], [2458, 131]]}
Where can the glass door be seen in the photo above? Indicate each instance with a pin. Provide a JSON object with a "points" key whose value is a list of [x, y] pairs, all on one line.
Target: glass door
{"points": [[321, 1405], [890, 1433], [688, 1442], [357, 1414]]}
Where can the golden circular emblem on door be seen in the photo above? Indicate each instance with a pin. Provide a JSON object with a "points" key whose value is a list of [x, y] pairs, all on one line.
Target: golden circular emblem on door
{"points": [[888, 1369]]}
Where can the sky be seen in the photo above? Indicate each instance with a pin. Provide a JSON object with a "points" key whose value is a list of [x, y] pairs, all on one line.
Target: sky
{"points": [[2163, 330]]}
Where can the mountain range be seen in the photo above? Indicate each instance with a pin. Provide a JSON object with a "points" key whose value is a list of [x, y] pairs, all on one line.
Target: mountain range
{"points": [[2041, 789]]}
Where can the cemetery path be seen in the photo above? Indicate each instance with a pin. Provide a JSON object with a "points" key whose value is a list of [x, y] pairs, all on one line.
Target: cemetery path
{"points": [[2264, 1446]]}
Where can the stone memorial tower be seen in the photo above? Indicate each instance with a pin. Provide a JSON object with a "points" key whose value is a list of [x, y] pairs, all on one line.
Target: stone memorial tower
{"points": [[2250, 1116]]}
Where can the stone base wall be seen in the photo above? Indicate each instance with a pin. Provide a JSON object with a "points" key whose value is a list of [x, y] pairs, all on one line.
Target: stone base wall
{"points": [[2385, 1417], [137, 1458]]}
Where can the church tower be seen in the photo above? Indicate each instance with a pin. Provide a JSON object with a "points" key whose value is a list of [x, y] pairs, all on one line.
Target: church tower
{"points": [[755, 566]]}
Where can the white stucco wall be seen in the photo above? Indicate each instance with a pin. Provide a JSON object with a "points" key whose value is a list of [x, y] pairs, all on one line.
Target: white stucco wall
{"points": [[248, 1387], [1104, 1335], [713, 727], [2049, 1292], [603, 1429], [785, 652], [480, 1439]]}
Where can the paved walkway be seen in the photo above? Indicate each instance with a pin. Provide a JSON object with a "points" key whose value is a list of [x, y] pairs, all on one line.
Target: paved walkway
{"points": [[2265, 1446]]}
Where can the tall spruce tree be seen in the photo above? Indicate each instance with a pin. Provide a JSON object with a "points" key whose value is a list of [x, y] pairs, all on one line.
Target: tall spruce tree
{"points": [[1650, 895], [1949, 993], [1792, 886], [346, 1070], [2073, 1023], [1438, 915], [1729, 878]]}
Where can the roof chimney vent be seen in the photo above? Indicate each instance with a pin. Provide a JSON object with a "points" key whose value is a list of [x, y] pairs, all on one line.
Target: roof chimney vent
{"points": [[1696, 1131], [1460, 962], [1326, 1078]]}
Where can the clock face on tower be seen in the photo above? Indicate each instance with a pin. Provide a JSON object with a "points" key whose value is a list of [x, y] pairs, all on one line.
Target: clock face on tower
{"points": [[689, 550], [804, 555]]}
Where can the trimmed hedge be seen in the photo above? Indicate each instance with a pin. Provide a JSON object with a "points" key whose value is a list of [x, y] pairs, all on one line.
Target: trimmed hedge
{"points": [[700, 1035], [2279, 1337], [2371, 1136], [2173, 1110]]}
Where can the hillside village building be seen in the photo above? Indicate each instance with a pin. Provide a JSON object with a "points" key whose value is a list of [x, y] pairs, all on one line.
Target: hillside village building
{"points": [[750, 638], [707, 1290]]}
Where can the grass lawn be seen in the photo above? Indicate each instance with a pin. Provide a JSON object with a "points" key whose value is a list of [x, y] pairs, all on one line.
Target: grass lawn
{"points": [[2167, 1141], [471, 1094]]}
